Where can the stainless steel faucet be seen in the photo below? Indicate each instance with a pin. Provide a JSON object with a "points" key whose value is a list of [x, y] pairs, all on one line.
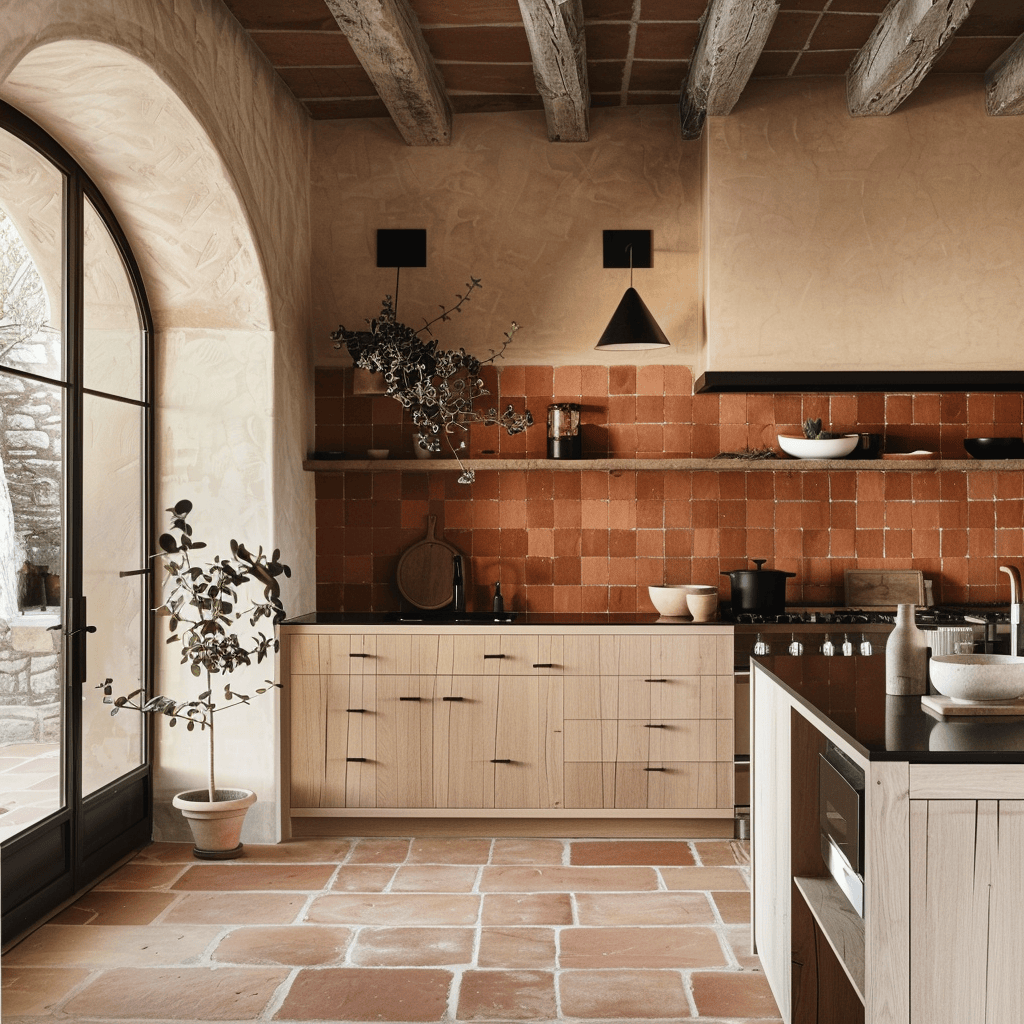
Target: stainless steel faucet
{"points": [[1016, 594]]}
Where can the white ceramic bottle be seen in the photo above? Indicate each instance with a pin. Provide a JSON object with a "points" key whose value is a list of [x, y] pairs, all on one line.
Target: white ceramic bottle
{"points": [[906, 656]]}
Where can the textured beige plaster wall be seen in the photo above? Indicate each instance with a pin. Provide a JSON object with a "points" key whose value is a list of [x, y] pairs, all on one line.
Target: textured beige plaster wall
{"points": [[204, 156], [524, 215], [866, 243]]}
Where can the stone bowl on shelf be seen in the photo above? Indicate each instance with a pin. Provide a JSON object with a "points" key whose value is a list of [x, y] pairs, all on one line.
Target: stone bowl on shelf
{"points": [[818, 448], [966, 678]]}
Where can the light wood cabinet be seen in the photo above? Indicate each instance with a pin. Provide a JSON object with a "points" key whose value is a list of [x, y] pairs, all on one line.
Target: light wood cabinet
{"points": [[538, 722]]}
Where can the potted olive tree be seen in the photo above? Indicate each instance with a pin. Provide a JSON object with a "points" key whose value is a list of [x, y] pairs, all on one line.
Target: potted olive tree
{"points": [[206, 600]]}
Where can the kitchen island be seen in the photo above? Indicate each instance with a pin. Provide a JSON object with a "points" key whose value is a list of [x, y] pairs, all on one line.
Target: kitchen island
{"points": [[941, 938], [546, 719]]}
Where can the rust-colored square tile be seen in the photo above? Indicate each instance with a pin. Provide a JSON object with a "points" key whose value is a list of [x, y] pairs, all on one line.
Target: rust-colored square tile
{"points": [[380, 851], [632, 851], [652, 947], [235, 908], [570, 879], [450, 851], [739, 939], [728, 994], [254, 878], [297, 946], [116, 908], [625, 995], [34, 991], [734, 907], [56, 945], [523, 948], [552, 908], [178, 993], [507, 995], [709, 878], [363, 877], [413, 947], [360, 993], [643, 908], [395, 908], [434, 878], [141, 875]]}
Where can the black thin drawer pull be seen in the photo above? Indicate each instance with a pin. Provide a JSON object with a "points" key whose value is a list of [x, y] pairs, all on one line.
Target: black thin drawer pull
{"points": [[655, 726], [351, 655], [410, 698], [544, 665], [356, 759], [655, 680], [453, 698], [356, 711], [501, 760], [486, 656], [655, 769]]}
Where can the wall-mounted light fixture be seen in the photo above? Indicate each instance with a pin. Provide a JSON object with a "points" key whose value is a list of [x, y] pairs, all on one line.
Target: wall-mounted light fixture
{"points": [[632, 326]]}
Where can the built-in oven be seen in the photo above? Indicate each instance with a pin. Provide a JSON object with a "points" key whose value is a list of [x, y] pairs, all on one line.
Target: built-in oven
{"points": [[841, 822]]}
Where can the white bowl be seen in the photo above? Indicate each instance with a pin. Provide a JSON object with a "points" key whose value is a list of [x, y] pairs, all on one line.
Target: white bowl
{"points": [[702, 606], [671, 600], [378, 453], [828, 448], [966, 678]]}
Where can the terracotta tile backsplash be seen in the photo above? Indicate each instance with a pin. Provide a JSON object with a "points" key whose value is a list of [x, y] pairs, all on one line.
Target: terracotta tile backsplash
{"points": [[592, 540]]}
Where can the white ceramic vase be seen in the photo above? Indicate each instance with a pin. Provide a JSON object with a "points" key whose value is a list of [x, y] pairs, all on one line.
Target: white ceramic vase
{"points": [[906, 656], [217, 826]]}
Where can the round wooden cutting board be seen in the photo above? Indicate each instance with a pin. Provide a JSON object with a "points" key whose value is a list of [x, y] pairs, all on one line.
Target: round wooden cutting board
{"points": [[425, 570]]}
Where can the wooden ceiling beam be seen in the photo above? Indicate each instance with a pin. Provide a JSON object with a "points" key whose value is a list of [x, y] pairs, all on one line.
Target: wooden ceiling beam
{"points": [[732, 37], [554, 29], [909, 38], [390, 46], [1004, 82]]}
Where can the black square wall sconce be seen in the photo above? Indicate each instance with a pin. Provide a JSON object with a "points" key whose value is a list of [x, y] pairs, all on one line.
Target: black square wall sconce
{"points": [[402, 247]]}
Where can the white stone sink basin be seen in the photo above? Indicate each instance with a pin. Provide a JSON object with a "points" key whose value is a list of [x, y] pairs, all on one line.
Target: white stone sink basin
{"points": [[967, 678]]}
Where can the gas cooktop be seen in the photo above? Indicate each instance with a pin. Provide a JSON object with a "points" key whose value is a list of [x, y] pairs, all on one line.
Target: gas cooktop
{"points": [[943, 615]]}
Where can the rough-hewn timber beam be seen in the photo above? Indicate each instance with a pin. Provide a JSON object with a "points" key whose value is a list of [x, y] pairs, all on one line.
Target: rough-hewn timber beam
{"points": [[909, 38], [555, 31], [388, 42], [731, 40], [1004, 82]]}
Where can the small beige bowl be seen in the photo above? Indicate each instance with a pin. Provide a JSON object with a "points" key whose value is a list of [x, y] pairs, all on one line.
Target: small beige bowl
{"points": [[378, 453], [671, 600], [702, 606]]}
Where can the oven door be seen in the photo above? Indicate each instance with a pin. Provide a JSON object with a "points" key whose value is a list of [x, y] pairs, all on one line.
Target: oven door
{"points": [[840, 806]]}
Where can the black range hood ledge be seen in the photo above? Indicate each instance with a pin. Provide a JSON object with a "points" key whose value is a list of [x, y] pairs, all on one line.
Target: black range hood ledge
{"points": [[848, 381]]}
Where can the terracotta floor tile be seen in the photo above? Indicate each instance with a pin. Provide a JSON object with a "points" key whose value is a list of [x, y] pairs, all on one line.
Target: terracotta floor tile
{"points": [[379, 851], [61, 945], [623, 994], [554, 878], [364, 994], [413, 947], [631, 851], [166, 853], [295, 946], [528, 908], [183, 993], [643, 908], [363, 877], [395, 908], [654, 947], [733, 906], [138, 875], [309, 851], [527, 851], [254, 877], [713, 852], [717, 878], [32, 991], [738, 938], [507, 995], [450, 851], [110, 908], [732, 994], [517, 947], [435, 878], [235, 908]]}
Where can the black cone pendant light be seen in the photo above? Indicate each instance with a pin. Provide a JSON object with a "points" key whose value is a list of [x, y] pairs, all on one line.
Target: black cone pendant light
{"points": [[632, 326]]}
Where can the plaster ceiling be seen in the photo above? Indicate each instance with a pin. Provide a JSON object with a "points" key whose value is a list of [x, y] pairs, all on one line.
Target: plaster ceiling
{"points": [[638, 51]]}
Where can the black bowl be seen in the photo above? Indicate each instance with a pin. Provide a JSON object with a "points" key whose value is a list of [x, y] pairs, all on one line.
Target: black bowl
{"points": [[995, 447]]}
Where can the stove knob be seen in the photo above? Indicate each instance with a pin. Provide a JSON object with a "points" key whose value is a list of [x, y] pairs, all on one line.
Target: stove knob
{"points": [[795, 647], [847, 646], [760, 647], [865, 645], [828, 648]]}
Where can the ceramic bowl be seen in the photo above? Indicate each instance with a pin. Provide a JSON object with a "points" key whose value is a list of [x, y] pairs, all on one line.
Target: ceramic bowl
{"points": [[671, 600], [378, 453], [830, 448], [995, 447], [702, 606], [966, 678]]}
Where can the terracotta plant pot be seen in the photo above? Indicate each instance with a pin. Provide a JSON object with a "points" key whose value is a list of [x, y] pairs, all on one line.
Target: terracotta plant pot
{"points": [[216, 827]]}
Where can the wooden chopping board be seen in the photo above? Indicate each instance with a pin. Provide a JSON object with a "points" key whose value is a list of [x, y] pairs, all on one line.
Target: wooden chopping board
{"points": [[871, 588], [424, 573]]}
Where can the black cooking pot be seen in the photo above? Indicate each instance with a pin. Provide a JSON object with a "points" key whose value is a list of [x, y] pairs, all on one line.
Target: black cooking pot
{"points": [[759, 590]]}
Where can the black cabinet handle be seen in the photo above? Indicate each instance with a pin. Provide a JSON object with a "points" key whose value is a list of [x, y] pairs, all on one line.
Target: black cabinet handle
{"points": [[544, 664], [356, 759], [486, 656], [655, 680], [655, 769], [351, 655], [501, 760], [453, 698], [410, 698], [356, 711], [655, 726]]}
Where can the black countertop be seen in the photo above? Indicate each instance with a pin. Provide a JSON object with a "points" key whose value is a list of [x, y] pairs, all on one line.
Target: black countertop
{"points": [[849, 695], [489, 619]]}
